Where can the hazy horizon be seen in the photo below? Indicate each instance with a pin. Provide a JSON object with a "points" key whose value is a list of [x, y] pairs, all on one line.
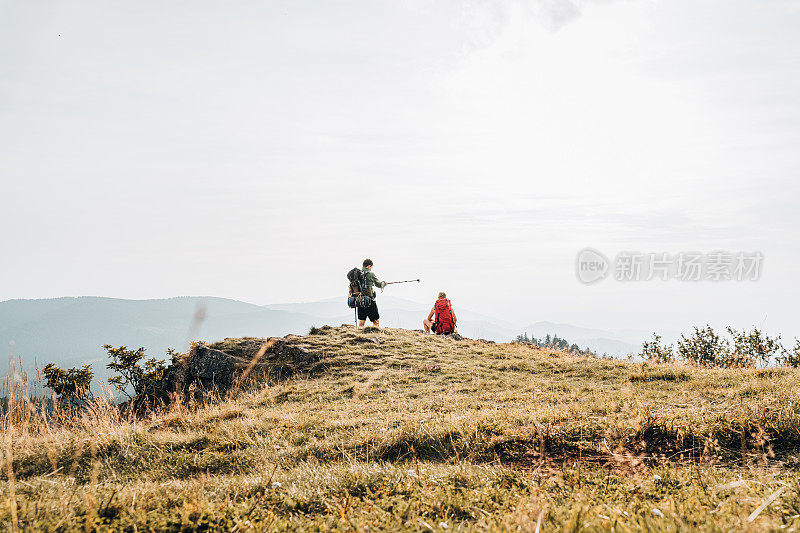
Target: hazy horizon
{"points": [[258, 151], [520, 322]]}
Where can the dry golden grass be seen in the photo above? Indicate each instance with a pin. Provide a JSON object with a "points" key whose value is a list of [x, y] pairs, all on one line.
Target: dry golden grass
{"points": [[393, 430]]}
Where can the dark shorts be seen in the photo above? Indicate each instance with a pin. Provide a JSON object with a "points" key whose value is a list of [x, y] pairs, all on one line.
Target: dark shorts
{"points": [[370, 312]]}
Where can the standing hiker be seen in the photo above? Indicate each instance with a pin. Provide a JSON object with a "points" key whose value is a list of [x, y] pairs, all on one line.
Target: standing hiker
{"points": [[445, 322], [370, 312]]}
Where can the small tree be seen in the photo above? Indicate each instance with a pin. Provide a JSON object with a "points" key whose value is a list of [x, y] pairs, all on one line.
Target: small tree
{"points": [[751, 348], [704, 347], [72, 386], [142, 375], [792, 358], [653, 351]]}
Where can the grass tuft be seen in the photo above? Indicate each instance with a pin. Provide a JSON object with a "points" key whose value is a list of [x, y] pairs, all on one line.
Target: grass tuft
{"points": [[669, 374]]}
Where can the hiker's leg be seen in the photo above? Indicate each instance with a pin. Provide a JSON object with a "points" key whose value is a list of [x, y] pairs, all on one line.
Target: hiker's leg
{"points": [[373, 314], [427, 324], [363, 315]]}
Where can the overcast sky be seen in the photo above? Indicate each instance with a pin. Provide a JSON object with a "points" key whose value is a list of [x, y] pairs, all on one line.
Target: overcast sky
{"points": [[258, 150]]}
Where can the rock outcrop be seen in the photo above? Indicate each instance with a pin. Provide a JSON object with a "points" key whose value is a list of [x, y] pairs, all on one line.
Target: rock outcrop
{"points": [[220, 367]]}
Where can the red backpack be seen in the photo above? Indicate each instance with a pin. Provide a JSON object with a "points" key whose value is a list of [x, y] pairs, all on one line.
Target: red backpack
{"points": [[444, 317]]}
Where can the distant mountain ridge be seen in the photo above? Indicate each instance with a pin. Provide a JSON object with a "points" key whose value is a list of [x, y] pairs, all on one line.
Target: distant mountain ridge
{"points": [[70, 331]]}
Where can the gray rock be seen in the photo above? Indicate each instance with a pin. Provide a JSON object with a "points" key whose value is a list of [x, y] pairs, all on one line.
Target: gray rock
{"points": [[211, 369], [218, 370]]}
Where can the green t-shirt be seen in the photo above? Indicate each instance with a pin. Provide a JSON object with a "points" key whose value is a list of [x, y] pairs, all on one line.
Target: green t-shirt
{"points": [[371, 279]]}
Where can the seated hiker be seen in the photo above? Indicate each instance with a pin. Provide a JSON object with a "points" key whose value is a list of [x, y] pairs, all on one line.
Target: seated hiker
{"points": [[445, 322], [370, 312]]}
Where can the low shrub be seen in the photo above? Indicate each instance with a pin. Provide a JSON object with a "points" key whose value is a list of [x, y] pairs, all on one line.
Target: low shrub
{"points": [[705, 348], [134, 372], [791, 358], [654, 352], [752, 348], [72, 386]]}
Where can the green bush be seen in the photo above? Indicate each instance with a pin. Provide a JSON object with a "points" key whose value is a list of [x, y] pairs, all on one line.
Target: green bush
{"points": [[705, 348], [791, 358], [72, 386], [654, 352], [135, 372], [752, 348]]}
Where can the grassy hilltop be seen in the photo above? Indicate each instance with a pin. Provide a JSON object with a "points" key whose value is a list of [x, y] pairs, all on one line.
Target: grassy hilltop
{"points": [[393, 430]]}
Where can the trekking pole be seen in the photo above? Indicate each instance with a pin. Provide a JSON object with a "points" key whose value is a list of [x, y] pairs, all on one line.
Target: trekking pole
{"points": [[406, 281]]}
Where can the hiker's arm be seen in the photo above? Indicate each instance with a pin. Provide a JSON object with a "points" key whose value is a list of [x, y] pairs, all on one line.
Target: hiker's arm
{"points": [[430, 315], [378, 283], [452, 311]]}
